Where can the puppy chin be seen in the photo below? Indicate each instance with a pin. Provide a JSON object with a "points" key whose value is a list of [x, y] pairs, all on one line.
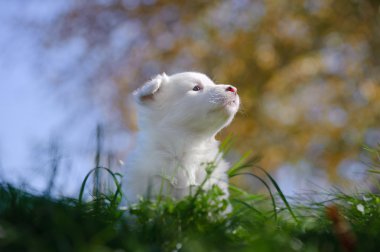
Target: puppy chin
{"points": [[229, 107], [232, 106]]}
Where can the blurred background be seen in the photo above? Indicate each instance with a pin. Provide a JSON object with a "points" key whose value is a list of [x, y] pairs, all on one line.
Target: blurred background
{"points": [[308, 73]]}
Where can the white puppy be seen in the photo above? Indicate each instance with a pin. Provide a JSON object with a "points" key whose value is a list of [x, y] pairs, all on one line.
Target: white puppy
{"points": [[178, 118]]}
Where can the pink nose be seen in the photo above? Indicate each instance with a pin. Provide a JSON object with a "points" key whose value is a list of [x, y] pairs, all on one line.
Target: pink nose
{"points": [[231, 89]]}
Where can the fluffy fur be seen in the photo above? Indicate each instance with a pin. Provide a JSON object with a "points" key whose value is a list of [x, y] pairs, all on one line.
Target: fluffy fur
{"points": [[178, 118]]}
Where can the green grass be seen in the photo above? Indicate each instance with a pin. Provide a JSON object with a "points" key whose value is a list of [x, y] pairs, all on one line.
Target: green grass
{"points": [[30, 222], [39, 223]]}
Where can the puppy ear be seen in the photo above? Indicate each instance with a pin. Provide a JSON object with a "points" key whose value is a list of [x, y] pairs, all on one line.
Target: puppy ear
{"points": [[147, 91]]}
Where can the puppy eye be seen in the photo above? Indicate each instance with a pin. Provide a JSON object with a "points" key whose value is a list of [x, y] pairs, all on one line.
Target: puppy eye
{"points": [[197, 88]]}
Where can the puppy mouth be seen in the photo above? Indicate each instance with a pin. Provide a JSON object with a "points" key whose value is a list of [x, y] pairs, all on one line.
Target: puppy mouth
{"points": [[231, 103], [226, 106], [224, 103]]}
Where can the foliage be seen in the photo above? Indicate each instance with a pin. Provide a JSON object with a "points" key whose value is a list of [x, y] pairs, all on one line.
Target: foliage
{"points": [[307, 71]]}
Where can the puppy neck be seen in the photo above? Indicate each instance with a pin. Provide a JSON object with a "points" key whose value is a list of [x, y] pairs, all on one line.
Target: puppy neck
{"points": [[178, 141]]}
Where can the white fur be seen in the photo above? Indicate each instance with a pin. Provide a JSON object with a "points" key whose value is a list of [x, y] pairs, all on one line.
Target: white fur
{"points": [[176, 138]]}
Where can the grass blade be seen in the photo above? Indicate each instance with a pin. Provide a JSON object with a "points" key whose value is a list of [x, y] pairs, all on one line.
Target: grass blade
{"points": [[243, 163], [117, 183], [267, 187], [281, 194]]}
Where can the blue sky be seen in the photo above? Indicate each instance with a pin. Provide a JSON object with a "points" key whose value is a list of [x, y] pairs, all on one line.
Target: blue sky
{"points": [[33, 111], [30, 112]]}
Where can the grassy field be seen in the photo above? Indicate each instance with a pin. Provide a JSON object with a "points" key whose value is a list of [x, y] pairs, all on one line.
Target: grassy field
{"points": [[30, 222]]}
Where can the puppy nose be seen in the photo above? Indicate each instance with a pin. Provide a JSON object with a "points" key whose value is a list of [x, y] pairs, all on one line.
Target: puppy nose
{"points": [[231, 89]]}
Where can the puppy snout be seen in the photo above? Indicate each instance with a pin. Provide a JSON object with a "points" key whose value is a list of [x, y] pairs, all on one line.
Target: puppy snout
{"points": [[231, 89]]}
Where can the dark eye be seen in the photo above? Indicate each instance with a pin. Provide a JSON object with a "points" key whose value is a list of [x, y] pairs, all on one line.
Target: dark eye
{"points": [[197, 88]]}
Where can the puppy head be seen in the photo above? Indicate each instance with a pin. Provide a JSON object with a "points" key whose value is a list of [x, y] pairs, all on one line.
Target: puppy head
{"points": [[188, 101]]}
